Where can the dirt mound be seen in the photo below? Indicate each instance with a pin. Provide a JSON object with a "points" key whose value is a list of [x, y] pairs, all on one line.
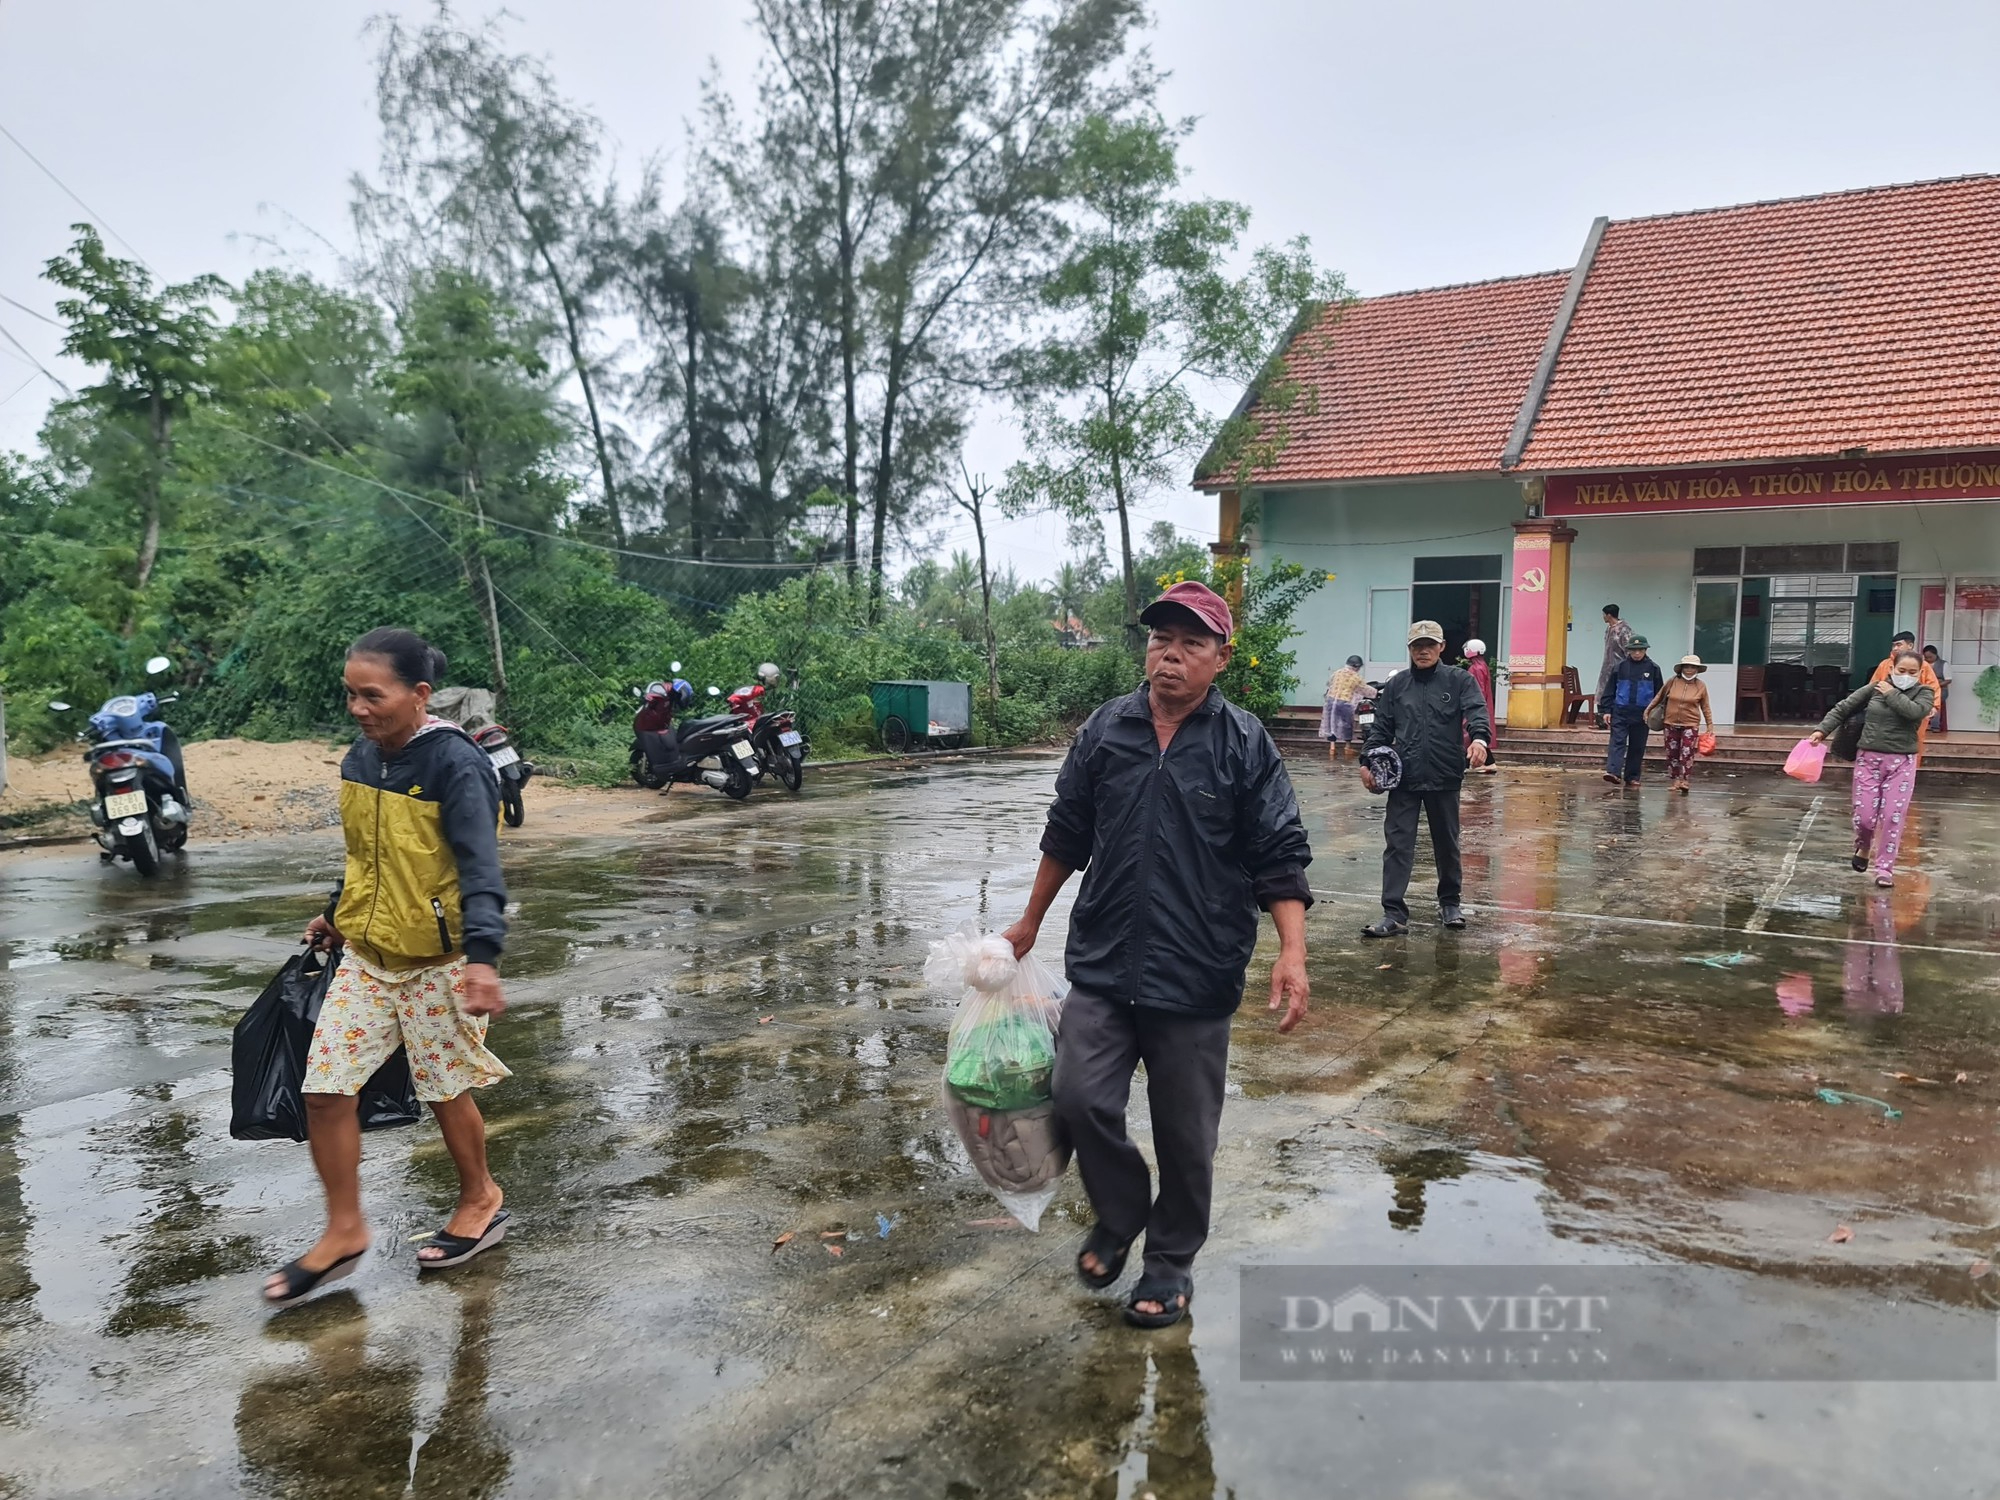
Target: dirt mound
{"points": [[249, 789]]}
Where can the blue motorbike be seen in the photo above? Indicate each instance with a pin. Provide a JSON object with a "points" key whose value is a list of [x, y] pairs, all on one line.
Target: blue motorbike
{"points": [[139, 802]]}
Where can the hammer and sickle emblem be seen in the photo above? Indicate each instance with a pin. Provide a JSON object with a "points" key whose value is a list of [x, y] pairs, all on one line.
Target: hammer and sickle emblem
{"points": [[1534, 580]]}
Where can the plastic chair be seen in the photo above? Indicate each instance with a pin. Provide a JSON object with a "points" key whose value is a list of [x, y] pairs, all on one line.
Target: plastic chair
{"points": [[1751, 688], [1574, 697]]}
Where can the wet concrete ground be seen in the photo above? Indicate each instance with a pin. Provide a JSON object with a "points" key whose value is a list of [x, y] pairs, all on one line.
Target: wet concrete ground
{"points": [[1557, 1085]]}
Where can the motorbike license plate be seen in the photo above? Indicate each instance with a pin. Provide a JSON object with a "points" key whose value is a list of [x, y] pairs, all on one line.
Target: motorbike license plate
{"points": [[741, 750], [791, 737], [505, 756], [125, 805]]}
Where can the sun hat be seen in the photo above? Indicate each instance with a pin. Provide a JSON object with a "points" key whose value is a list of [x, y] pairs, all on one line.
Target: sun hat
{"points": [[1691, 660], [1475, 647], [1386, 766], [1209, 608], [1426, 630]]}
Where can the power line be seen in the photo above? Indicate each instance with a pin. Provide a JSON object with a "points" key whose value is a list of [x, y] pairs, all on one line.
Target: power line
{"points": [[96, 217], [40, 316], [29, 356]]}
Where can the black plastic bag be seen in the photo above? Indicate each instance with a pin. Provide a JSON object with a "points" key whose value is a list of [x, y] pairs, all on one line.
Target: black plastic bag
{"points": [[268, 1060]]}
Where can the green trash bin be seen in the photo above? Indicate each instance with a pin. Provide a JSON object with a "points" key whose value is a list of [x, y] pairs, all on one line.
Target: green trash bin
{"points": [[923, 715]]}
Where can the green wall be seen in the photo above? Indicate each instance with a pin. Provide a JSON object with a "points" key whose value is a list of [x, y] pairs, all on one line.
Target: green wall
{"points": [[1872, 628], [1754, 643], [1368, 536]]}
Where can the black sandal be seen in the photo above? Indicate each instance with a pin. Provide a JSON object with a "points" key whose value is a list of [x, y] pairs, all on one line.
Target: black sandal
{"points": [[460, 1248], [1175, 1294], [1110, 1254], [301, 1283]]}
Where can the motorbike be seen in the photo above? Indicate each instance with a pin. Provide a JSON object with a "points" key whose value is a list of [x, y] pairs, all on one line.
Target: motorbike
{"points": [[497, 741], [140, 806], [472, 709], [714, 751], [779, 742]]}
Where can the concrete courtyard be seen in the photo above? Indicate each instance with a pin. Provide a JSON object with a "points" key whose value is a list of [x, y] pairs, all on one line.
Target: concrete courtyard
{"points": [[722, 1040]]}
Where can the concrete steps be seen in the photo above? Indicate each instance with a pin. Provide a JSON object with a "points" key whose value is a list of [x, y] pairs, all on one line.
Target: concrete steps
{"points": [[1968, 758]]}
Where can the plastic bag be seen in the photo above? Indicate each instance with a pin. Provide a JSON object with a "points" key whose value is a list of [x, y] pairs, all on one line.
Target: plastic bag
{"points": [[267, 1058], [1705, 745], [1805, 760], [1000, 1067]]}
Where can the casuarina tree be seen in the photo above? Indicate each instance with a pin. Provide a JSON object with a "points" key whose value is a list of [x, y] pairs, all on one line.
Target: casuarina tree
{"points": [[485, 164], [924, 141], [151, 347], [1143, 309]]}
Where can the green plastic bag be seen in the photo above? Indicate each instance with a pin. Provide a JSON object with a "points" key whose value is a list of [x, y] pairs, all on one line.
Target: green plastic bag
{"points": [[1001, 1054], [1004, 1060]]}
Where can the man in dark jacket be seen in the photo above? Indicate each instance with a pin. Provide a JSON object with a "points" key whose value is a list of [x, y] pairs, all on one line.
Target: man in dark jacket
{"points": [[1177, 807], [1426, 715], [1634, 686]]}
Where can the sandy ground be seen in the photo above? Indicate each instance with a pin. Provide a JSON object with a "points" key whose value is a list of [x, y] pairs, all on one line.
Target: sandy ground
{"points": [[250, 789]]}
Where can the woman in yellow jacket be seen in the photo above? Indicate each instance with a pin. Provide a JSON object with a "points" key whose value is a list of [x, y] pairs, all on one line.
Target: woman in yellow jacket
{"points": [[420, 919]]}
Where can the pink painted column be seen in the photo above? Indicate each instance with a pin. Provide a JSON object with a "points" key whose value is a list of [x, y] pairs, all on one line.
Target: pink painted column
{"points": [[1538, 635]]}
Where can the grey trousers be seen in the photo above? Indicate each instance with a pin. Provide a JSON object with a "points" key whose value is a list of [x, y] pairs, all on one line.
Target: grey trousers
{"points": [[1399, 852], [1187, 1063]]}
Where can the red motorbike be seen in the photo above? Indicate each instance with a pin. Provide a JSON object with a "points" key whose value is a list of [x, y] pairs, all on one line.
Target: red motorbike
{"points": [[497, 741], [776, 737]]}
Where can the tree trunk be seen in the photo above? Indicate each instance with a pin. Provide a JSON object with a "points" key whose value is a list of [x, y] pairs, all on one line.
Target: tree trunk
{"points": [[490, 602], [986, 599], [1135, 639], [691, 306], [149, 540], [574, 336], [850, 457], [885, 468], [149, 548]]}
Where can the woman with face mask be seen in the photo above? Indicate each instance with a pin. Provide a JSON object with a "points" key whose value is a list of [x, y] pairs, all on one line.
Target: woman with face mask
{"points": [[1885, 769], [1684, 716]]}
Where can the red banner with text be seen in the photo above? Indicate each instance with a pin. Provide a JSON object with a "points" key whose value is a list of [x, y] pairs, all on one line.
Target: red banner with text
{"points": [[1863, 481]]}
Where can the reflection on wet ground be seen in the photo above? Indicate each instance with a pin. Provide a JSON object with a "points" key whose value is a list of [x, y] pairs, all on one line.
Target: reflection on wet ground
{"points": [[720, 1035]]}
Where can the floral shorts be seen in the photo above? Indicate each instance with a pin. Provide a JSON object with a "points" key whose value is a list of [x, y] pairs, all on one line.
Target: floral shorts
{"points": [[369, 1013]]}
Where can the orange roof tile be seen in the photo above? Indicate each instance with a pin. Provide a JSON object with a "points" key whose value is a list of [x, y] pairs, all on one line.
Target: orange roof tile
{"points": [[1784, 330], [1424, 382]]}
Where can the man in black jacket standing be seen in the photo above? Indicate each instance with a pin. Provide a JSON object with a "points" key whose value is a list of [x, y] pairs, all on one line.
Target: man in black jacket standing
{"points": [[1426, 715], [1177, 807]]}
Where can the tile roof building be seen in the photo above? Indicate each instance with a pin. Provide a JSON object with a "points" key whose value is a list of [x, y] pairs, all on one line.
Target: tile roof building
{"points": [[1770, 432], [1784, 330]]}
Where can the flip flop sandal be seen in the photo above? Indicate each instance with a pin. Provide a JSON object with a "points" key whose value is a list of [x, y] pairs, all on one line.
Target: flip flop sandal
{"points": [[301, 1283], [1110, 1254], [1175, 1294], [459, 1248]]}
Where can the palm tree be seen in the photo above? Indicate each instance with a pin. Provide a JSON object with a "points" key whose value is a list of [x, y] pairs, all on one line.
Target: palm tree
{"points": [[1069, 588]]}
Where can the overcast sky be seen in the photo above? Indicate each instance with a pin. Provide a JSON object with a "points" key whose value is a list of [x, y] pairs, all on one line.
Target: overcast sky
{"points": [[1416, 143]]}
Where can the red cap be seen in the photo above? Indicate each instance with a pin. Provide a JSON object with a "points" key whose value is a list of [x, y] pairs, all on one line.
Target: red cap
{"points": [[1197, 599]]}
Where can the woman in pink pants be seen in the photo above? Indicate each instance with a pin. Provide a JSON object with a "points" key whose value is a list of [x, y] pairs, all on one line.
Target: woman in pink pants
{"points": [[1885, 770]]}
